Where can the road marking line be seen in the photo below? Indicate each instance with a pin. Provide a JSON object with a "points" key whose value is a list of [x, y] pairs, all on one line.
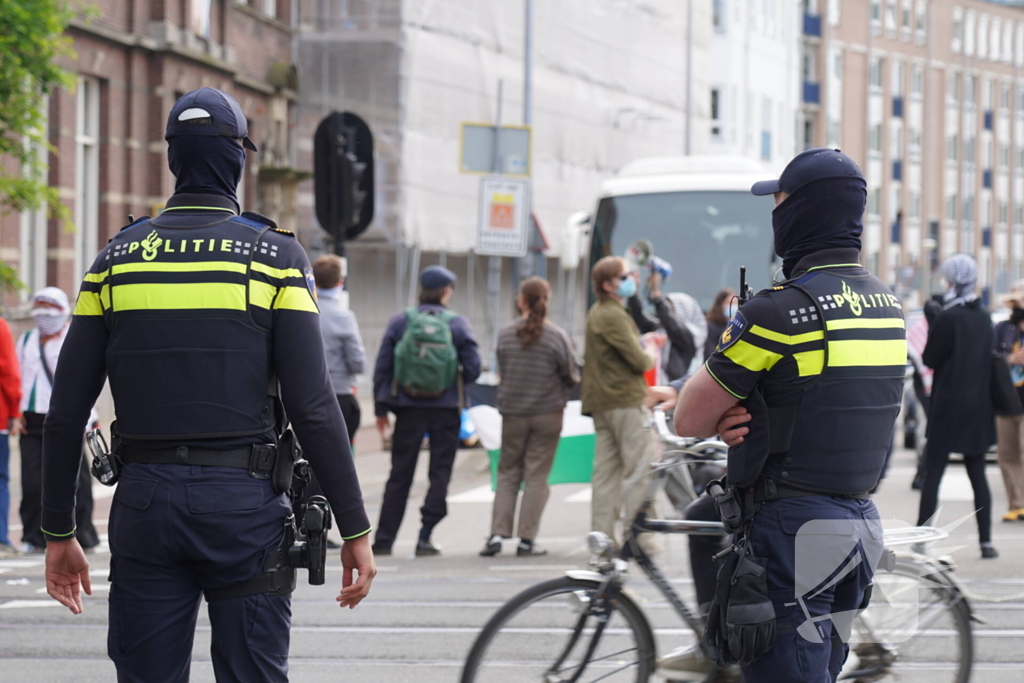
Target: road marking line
{"points": [[481, 494], [21, 604], [533, 567]]}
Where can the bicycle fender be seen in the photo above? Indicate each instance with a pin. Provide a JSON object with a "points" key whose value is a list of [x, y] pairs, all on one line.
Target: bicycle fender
{"points": [[948, 573]]}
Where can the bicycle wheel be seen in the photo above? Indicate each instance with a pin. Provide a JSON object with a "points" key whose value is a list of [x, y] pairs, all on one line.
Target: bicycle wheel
{"points": [[559, 631], [917, 628]]}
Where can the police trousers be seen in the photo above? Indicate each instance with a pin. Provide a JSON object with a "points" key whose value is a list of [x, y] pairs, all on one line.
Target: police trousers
{"points": [[807, 542], [175, 531]]}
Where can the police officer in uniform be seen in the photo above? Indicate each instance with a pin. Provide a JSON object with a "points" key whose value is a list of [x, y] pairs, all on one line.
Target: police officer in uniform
{"points": [[805, 386], [197, 317]]}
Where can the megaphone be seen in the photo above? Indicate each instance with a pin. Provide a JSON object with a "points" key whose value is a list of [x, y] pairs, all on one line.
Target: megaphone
{"points": [[639, 254]]}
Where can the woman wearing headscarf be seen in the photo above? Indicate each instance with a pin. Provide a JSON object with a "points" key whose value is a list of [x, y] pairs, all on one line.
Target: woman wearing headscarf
{"points": [[38, 351], [961, 418], [682, 319]]}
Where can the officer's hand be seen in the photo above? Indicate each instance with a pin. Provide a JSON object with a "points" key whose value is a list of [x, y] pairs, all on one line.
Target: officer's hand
{"points": [[383, 426], [356, 555], [661, 397], [67, 573], [730, 426]]}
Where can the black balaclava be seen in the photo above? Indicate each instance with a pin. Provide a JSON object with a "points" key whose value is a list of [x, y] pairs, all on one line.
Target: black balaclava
{"points": [[822, 214], [204, 164]]}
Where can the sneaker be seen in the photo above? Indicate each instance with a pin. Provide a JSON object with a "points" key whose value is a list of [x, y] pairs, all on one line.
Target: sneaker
{"points": [[529, 549], [988, 551], [492, 547], [381, 550], [8, 551], [426, 549], [1015, 515]]}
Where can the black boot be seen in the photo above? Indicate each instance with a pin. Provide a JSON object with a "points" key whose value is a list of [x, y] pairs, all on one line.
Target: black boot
{"points": [[424, 548]]}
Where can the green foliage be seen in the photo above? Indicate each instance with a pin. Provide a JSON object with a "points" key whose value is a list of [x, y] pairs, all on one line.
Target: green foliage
{"points": [[31, 41]]}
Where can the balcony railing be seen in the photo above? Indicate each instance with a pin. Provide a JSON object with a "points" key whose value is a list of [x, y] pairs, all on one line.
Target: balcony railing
{"points": [[812, 93], [812, 25]]}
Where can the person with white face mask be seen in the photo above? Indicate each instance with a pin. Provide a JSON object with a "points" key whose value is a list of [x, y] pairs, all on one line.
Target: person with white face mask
{"points": [[38, 350]]}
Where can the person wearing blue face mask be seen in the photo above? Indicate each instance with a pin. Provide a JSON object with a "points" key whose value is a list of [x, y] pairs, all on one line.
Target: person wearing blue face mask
{"points": [[613, 392]]}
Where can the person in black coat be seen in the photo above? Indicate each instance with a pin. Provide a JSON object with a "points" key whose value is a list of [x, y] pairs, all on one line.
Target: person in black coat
{"points": [[961, 418]]}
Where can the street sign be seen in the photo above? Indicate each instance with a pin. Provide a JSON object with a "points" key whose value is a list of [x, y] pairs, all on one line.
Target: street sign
{"points": [[504, 217], [478, 148]]}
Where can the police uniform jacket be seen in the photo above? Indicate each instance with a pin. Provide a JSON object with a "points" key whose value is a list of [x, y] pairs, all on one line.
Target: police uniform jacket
{"points": [[826, 353], [194, 317]]}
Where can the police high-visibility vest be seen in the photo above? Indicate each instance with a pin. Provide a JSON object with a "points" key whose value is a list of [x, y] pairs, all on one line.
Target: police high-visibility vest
{"points": [[832, 409]]}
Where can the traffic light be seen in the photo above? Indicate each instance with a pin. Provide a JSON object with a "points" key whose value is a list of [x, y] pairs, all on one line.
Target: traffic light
{"points": [[343, 176]]}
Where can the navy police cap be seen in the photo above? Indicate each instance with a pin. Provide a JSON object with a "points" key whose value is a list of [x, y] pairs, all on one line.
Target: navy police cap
{"points": [[226, 117], [811, 164]]}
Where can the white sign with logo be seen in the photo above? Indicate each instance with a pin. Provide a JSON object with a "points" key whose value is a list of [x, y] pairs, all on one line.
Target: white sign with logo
{"points": [[504, 217]]}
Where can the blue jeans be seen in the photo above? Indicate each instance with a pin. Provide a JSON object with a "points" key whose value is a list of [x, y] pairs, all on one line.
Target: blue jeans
{"points": [[5, 489]]}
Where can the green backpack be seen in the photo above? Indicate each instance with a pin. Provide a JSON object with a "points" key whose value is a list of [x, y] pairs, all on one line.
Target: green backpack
{"points": [[426, 362]]}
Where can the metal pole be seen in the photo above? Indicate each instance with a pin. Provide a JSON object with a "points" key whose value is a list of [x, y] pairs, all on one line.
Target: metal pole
{"points": [[689, 73], [528, 63], [494, 262]]}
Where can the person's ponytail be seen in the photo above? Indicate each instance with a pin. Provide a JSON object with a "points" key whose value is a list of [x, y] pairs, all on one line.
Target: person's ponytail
{"points": [[535, 292]]}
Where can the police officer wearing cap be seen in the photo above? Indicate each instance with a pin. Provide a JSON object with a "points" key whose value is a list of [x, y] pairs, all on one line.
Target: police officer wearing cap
{"points": [[805, 386], [418, 415], [206, 325]]}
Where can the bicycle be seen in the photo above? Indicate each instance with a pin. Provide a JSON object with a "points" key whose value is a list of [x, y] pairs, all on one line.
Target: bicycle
{"points": [[589, 626]]}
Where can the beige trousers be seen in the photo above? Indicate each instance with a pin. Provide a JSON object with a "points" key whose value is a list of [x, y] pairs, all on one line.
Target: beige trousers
{"points": [[1010, 449], [622, 452], [528, 446]]}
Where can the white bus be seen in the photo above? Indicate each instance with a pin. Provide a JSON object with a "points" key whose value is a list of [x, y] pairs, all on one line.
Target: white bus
{"points": [[698, 214]]}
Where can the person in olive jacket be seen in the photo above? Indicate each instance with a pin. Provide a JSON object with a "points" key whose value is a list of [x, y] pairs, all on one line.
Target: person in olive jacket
{"points": [[613, 393], [961, 417]]}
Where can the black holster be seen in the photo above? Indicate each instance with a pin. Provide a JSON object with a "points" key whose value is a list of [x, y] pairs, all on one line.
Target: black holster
{"points": [[288, 452]]}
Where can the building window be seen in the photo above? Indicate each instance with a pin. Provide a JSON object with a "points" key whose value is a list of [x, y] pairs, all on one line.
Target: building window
{"points": [[969, 82], [983, 36], [833, 12], [87, 193], [951, 146], [921, 20], [1018, 213], [837, 64], [916, 80], [969, 150], [1018, 154], [914, 204], [874, 202], [875, 138], [875, 77], [995, 52], [951, 207], [896, 79], [1008, 42], [896, 141], [968, 209], [1004, 155], [718, 13], [969, 36], [808, 134], [33, 229], [1018, 45], [958, 29], [876, 13], [1004, 97], [953, 88], [834, 132], [1004, 212], [890, 17], [915, 139], [270, 8], [906, 17], [716, 130]]}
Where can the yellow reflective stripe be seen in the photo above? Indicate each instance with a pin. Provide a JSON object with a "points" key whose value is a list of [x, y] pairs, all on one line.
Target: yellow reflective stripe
{"points": [[190, 267], [866, 352], [809, 362], [866, 324], [105, 297], [97, 277], [751, 357], [295, 299], [721, 383], [261, 294], [279, 273], [179, 295], [835, 265], [786, 338], [88, 304]]}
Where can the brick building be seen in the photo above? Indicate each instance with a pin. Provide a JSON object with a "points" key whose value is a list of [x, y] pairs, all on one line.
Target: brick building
{"points": [[133, 61], [928, 96]]}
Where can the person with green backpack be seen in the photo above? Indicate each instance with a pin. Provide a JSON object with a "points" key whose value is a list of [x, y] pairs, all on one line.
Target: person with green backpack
{"points": [[426, 358]]}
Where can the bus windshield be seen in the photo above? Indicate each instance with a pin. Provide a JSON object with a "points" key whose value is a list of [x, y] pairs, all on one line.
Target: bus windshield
{"points": [[705, 236]]}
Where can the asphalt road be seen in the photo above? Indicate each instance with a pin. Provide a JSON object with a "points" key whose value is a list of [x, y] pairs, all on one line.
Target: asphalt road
{"points": [[422, 615]]}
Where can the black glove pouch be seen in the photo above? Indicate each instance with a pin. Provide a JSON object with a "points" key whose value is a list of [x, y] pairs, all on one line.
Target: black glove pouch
{"points": [[741, 623]]}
